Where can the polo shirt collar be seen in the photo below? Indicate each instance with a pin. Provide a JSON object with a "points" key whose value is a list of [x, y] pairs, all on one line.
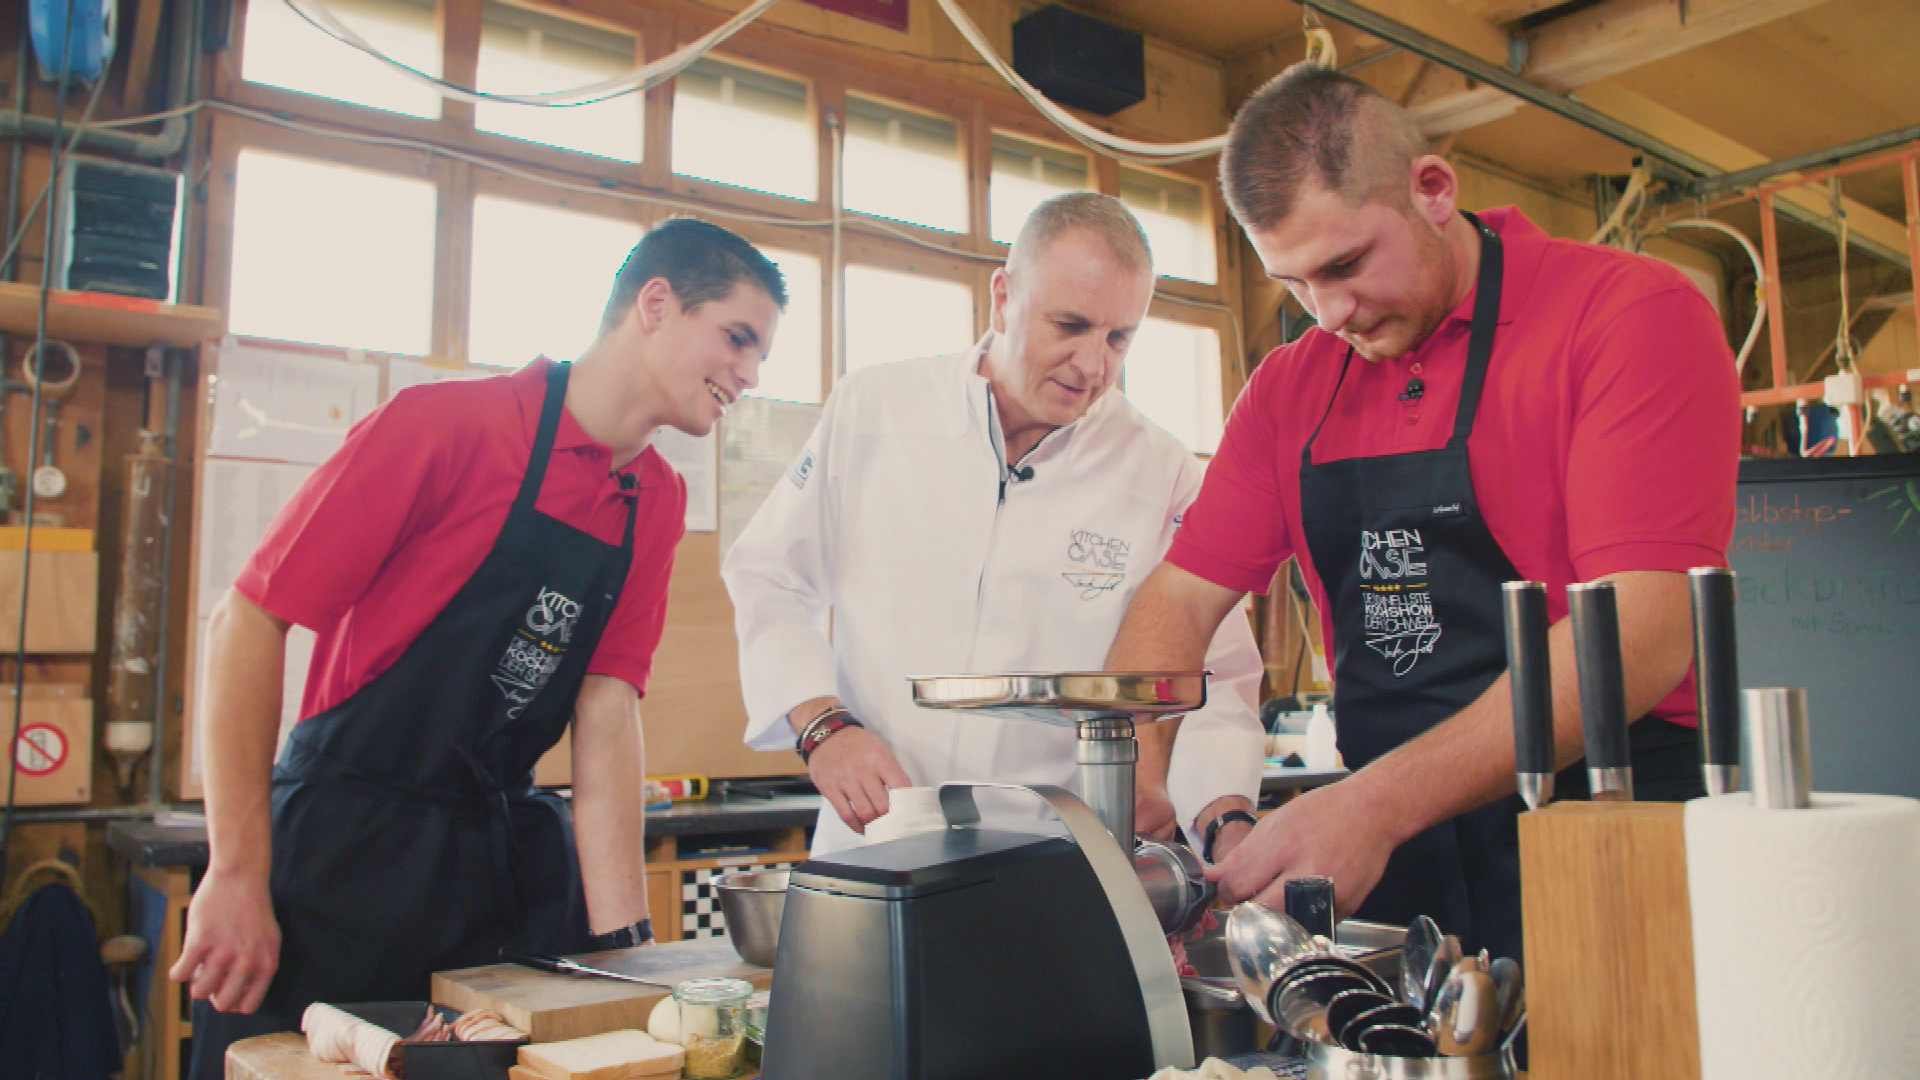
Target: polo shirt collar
{"points": [[1521, 252], [570, 435]]}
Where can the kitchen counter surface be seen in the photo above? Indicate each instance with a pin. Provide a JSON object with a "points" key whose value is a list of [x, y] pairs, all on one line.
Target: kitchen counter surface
{"points": [[145, 843]]}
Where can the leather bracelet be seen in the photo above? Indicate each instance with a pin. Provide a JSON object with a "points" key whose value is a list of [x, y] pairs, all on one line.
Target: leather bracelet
{"points": [[1219, 821], [821, 730], [812, 726]]}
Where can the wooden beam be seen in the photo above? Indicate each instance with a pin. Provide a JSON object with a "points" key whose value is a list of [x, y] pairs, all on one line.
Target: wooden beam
{"points": [[146, 38], [1876, 232], [1501, 12], [1616, 35]]}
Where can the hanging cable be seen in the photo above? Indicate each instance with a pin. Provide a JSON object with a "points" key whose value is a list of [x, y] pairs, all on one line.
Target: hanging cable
{"points": [[1759, 277], [1843, 339], [645, 77], [1631, 200]]}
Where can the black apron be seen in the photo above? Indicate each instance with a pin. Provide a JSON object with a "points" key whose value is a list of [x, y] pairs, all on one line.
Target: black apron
{"points": [[407, 835], [1413, 574]]}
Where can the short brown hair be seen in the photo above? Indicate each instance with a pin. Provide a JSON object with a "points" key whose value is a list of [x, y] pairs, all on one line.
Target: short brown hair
{"points": [[1312, 123], [1102, 215], [699, 259]]}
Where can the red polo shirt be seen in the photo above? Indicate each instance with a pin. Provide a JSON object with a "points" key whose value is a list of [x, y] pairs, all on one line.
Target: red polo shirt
{"points": [[1607, 437], [381, 536]]}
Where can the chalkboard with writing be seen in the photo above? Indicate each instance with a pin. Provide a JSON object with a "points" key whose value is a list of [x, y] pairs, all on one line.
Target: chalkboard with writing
{"points": [[1828, 556]]}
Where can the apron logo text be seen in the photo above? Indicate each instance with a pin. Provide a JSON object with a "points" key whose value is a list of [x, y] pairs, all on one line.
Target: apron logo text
{"points": [[552, 615], [1399, 624], [1391, 555], [1097, 564], [534, 653]]}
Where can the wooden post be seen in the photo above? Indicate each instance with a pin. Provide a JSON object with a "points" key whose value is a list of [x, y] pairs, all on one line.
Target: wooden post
{"points": [[1776, 307]]}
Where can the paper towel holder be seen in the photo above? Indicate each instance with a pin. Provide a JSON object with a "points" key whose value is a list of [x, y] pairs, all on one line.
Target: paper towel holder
{"points": [[1780, 775]]}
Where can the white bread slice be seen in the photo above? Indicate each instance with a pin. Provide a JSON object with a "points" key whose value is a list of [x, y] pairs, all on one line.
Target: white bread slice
{"points": [[521, 1072], [612, 1055]]}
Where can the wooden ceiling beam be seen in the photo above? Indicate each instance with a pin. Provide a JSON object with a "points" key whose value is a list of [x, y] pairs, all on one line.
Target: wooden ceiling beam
{"points": [[1618, 35]]}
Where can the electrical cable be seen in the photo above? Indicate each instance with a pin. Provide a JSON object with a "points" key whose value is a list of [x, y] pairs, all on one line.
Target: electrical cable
{"points": [[1759, 276], [33, 440], [645, 77]]}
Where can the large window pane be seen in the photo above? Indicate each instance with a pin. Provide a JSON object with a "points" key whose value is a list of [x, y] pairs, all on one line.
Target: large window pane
{"points": [[896, 316], [750, 129], [1174, 214], [904, 165], [525, 52], [1026, 174], [1173, 376], [541, 278], [331, 255], [792, 370], [282, 49]]}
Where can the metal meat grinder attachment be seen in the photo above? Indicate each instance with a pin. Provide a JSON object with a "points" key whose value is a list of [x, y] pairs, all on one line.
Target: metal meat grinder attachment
{"points": [[1101, 706]]}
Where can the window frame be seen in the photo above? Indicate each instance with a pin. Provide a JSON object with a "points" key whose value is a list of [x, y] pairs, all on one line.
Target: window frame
{"points": [[831, 68]]}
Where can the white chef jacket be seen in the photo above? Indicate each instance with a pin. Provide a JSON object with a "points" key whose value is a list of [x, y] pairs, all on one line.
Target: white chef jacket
{"points": [[892, 529]]}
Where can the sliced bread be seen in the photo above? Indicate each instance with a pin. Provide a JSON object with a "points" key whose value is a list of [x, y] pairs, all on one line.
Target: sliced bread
{"points": [[612, 1055]]}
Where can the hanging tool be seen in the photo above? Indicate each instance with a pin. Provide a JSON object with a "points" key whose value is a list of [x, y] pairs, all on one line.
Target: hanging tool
{"points": [[57, 372]]}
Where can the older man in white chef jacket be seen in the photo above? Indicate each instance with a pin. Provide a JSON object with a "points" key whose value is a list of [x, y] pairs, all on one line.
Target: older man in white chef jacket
{"points": [[989, 511]]}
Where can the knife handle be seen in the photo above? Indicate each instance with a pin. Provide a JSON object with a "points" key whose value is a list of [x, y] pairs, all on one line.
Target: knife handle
{"points": [[1603, 691], [1716, 675], [1530, 672], [537, 961]]}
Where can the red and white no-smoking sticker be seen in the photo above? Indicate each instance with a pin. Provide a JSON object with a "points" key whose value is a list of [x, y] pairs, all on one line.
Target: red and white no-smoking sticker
{"points": [[42, 749]]}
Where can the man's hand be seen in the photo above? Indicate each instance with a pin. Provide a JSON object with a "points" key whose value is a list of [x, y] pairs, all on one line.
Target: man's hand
{"points": [[854, 769], [233, 943], [1335, 831], [1153, 813]]}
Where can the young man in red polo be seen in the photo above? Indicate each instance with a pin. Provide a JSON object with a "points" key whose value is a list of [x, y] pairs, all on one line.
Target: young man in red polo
{"points": [[1480, 403], [485, 564]]}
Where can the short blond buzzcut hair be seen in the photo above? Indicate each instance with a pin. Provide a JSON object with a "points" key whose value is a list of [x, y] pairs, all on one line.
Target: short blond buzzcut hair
{"points": [[1312, 124], [1102, 215]]}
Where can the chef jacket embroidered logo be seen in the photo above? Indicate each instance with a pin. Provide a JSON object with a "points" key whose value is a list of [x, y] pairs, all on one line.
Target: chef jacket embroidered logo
{"points": [[1398, 605], [1096, 564], [535, 650], [802, 470]]}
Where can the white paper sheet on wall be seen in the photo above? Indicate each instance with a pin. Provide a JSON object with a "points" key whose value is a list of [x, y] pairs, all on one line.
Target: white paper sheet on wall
{"points": [[402, 373], [279, 405], [759, 441], [697, 459], [238, 501]]}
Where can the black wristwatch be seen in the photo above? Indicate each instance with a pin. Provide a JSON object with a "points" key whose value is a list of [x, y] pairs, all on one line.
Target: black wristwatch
{"points": [[1220, 821], [626, 937]]}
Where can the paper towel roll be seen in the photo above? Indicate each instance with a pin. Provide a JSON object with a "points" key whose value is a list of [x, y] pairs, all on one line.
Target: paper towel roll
{"points": [[1806, 937]]}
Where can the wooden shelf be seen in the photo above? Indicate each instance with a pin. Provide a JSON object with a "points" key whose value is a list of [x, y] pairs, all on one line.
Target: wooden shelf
{"points": [[98, 318]]}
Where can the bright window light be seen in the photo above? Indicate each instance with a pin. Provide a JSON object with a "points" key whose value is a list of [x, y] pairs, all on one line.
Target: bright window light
{"points": [[792, 371], [897, 316], [904, 165], [282, 49], [1174, 214], [1026, 174], [525, 52], [329, 255], [1173, 376], [541, 278], [746, 128]]}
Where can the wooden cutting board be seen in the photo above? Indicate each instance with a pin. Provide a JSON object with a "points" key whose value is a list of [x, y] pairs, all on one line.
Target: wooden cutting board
{"points": [[550, 1007]]}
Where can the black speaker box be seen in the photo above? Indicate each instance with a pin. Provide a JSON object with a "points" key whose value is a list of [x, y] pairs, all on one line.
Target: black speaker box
{"points": [[1078, 60]]}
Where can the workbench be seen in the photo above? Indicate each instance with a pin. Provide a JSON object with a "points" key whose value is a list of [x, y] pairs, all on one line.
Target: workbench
{"points": [[285, 1057]]}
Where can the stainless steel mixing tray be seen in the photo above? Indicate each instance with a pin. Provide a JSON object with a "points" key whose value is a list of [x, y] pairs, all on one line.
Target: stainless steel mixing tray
{"points": [[1067, 695]]}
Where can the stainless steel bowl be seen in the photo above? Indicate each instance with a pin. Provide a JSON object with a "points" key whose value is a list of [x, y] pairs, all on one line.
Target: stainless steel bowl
{"points": [[752, 901], [1334, 1063]]}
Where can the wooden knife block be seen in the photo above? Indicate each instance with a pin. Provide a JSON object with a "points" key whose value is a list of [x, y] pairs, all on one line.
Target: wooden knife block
{"points": [[1609, 939]]}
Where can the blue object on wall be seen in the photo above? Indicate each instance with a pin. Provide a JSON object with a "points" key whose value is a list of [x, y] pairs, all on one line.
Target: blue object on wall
{"points": [[89, 43]]}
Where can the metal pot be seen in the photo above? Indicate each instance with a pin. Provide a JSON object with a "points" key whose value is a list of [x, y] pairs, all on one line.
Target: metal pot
{"points": [[1334, 1063]]}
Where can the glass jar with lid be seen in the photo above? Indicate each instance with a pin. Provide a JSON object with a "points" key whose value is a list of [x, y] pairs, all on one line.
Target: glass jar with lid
{"points": [[713, 1026]]}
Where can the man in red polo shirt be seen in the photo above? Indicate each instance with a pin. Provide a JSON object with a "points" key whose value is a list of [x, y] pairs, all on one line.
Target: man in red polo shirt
{"points": [[1480, 403], [485, 564]]}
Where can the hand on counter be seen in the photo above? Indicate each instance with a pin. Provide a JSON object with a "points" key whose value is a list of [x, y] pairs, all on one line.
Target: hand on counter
{"points": [[1153, 813], [232, 946], [853, 770], [1334, 831]]}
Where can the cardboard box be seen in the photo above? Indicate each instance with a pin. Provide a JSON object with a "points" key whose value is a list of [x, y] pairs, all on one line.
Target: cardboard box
{"points": [[62, 606], [53, 759]]}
